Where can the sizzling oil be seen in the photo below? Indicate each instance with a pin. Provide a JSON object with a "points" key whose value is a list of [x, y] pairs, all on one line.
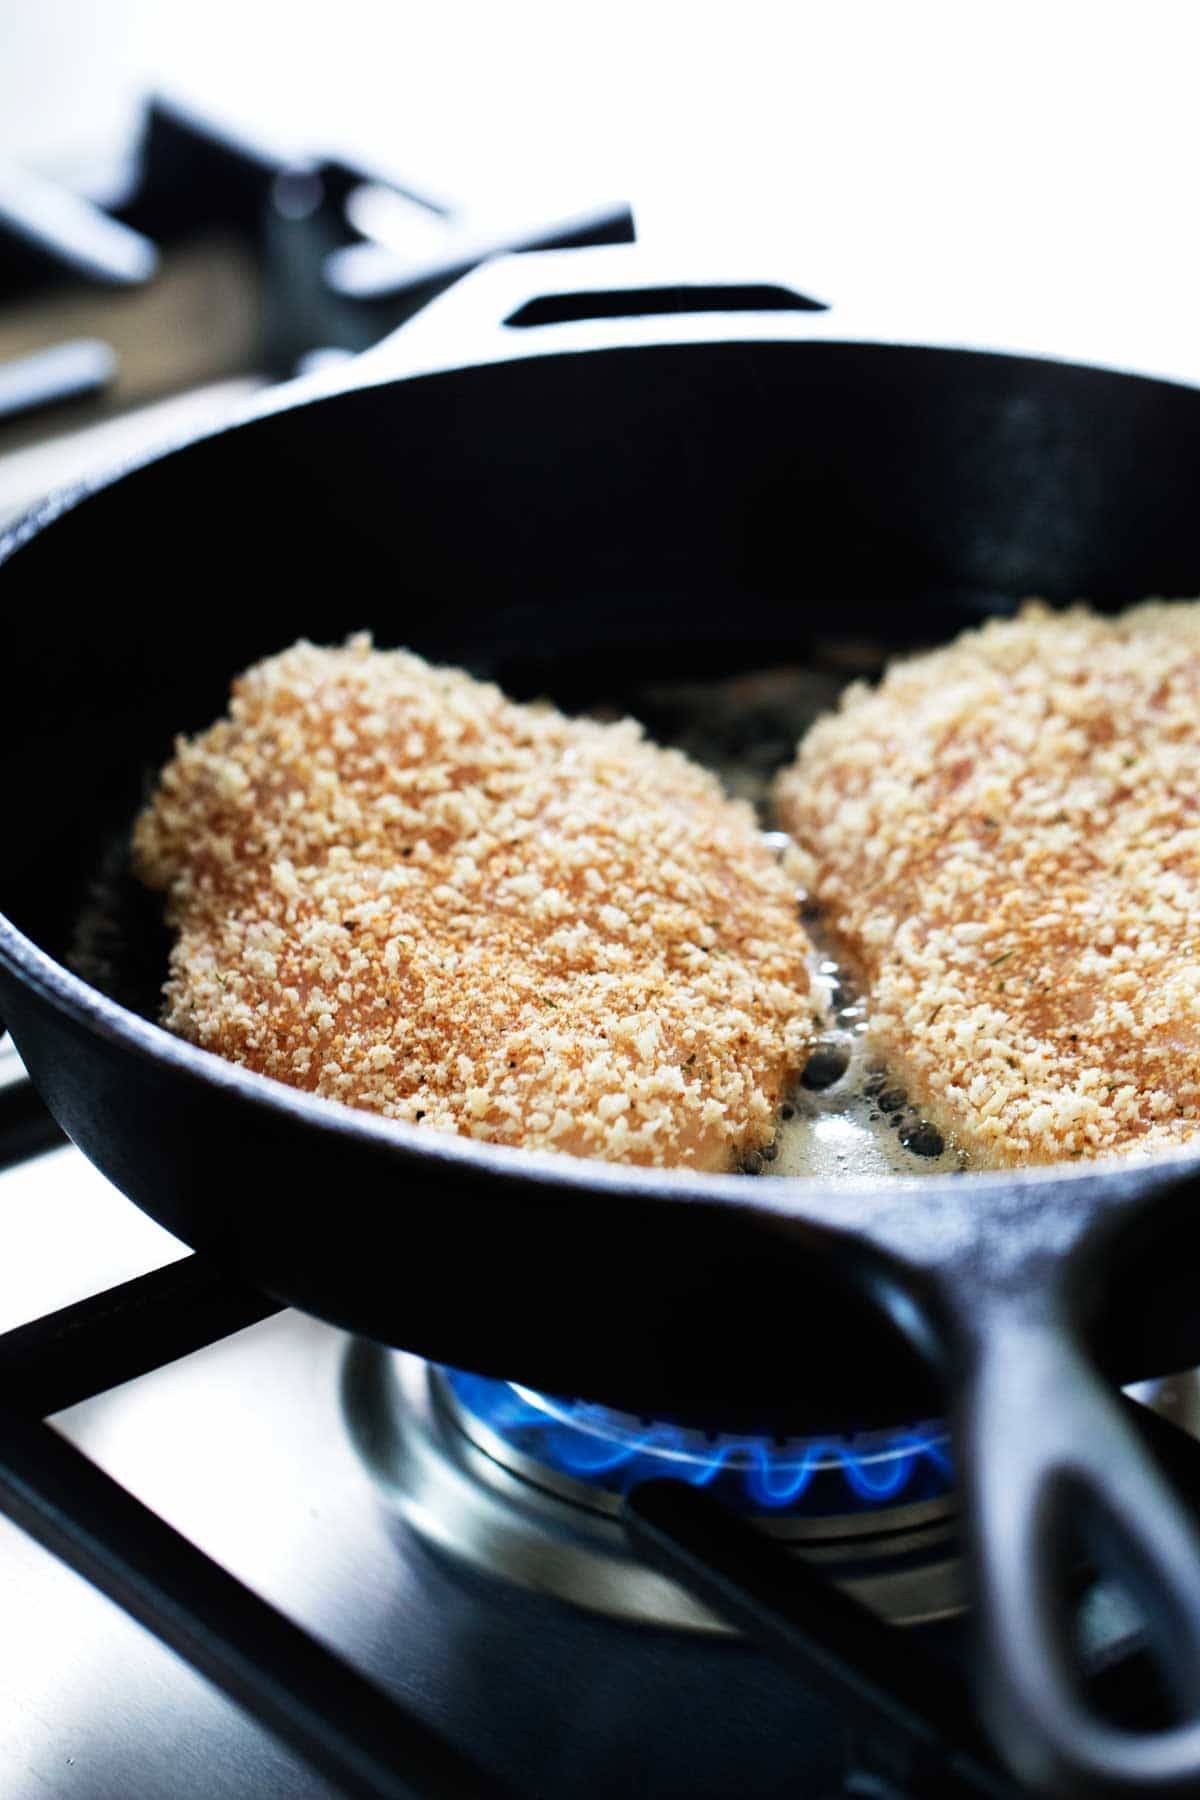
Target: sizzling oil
{"points": [[859, 1126]]}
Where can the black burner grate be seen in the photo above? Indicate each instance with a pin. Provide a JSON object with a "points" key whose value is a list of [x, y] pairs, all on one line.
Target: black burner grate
{"points": [[315, 1702], [908, 1707], [347, 1728]]}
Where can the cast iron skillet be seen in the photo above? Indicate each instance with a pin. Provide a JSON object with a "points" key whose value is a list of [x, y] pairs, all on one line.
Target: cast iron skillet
{"points": [[560, 504]]}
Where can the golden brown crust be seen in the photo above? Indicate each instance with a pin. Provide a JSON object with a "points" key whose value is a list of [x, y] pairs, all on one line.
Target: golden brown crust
{"points": [[1005, 840], [393, 886]]}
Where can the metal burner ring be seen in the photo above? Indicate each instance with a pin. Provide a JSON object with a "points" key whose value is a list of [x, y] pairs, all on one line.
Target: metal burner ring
{"points": [[506, 1515]]}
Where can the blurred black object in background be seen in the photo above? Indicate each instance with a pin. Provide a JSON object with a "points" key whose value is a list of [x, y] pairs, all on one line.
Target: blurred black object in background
{"points": [[221, 260]]}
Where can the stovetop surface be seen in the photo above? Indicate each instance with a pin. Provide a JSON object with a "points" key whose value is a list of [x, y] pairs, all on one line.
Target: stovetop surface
{"points": [[242, 1447]]}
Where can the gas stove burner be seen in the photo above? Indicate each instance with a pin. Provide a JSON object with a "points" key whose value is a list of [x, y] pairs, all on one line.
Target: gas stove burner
{"points": [[596, 1454], [529, 1489]]}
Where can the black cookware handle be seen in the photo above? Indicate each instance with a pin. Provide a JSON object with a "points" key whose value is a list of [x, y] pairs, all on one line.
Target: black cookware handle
{"points": [[1052, 1466], [589, 299]]}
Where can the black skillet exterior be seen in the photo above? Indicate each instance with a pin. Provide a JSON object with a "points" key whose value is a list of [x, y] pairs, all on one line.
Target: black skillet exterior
{"points": [[552, 520]]}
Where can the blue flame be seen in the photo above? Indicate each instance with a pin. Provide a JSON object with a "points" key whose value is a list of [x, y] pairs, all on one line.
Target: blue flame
{"points": [[817, 1476]]}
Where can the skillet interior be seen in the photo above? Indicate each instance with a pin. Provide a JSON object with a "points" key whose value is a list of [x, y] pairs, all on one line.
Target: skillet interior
{"points": [[572, 526]]}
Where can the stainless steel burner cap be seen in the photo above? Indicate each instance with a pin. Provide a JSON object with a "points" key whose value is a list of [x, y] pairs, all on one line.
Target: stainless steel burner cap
{"points": [[472, 1496]]}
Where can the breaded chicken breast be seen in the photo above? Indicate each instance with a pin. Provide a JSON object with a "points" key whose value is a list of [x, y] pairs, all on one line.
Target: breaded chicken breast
{"points": [[392, 886], [1005, 842]]}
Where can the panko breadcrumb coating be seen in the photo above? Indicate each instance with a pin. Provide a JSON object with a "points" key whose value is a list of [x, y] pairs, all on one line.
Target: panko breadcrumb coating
{"points": [[394, 887], [1005, 839]]}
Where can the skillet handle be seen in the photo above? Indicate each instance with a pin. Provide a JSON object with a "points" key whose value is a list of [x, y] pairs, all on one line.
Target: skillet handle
{"points": [[1051, 1464], [596, 298]]}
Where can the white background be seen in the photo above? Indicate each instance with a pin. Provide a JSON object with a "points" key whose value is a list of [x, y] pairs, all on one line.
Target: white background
{"points": [[1033, 152]]}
